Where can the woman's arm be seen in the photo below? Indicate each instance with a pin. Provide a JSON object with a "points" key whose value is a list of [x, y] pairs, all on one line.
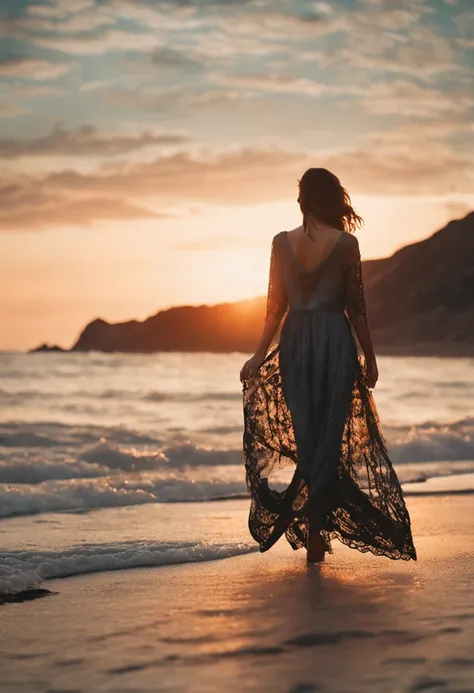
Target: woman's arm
{"points": [[276, 306], [361, 328], [356, 309], [250, 367]]}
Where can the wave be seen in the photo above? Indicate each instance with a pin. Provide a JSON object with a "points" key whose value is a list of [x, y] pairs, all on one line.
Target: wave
{"points": [[201, 397], [104, 459], [431, 442], [50, 467], [25, 440], [20, 397], [119, 447], [427, 442], [35, 470], [177, 456], [110, 492], [25, 570], [15, 434], [439, 492], [61, 452], [122, 489]]}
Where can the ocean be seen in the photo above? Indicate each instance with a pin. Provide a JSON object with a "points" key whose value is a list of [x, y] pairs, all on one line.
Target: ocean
{"points": [[126, 460]]}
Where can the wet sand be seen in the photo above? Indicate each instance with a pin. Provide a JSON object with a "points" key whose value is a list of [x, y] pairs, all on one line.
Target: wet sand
{"points": [[260, 622]]}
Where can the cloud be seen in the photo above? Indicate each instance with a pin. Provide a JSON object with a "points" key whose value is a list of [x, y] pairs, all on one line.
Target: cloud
{"points": [[97, 43], [465, 22], [14, 95], [177, 98], [405, 98], [84, 141], [66, 16], [281, 25], [9, 109], [60, 8], [120, 26], [170, 58], [72, 198], [27, 206], [244, 176], [424, 59], [417, 172], [231, 71], [32, 68], [276, 82], [15, 92], [466, 43]]}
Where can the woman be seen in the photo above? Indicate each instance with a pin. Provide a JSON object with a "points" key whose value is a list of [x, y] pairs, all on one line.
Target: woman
{"points": [[308, 402]]}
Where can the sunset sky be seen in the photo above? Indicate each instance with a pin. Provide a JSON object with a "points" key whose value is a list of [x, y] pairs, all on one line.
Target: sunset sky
{"points": [[150, 150]]}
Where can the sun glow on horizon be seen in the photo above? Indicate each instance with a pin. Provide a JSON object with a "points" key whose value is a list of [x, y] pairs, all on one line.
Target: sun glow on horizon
{"points": [[129, 271]]}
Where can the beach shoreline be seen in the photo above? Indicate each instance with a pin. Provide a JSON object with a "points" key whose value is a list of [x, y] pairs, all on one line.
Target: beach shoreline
{"points": [[260, 622]]}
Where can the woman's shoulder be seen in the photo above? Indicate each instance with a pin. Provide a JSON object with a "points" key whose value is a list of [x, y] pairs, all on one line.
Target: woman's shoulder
{"points": [[278, 238], [351, 238], [350, 249], [350, 241], [283, 235]]}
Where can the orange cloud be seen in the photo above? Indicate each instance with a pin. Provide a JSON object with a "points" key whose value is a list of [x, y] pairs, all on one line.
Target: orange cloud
{"points": [[245, 176]]}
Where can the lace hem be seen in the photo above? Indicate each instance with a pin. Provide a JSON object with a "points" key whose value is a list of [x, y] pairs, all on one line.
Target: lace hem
{"points": [[367, 510]]}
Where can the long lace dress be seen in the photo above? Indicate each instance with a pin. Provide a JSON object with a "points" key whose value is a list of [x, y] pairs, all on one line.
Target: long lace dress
{"points": [[309, 407]]}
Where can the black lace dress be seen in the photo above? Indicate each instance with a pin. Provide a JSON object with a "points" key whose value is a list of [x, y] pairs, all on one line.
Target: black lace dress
{"points": [[309, 407]]}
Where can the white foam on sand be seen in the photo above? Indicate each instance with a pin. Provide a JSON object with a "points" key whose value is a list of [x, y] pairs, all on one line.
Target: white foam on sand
{"points": [[447, 485], [25, 570]]}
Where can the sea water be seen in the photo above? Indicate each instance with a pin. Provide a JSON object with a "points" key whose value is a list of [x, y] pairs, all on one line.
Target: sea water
{"points": [[123, 460]]}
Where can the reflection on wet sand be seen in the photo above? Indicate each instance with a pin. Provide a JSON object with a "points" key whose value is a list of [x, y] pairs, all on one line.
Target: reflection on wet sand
{"points": [[266, 623]]}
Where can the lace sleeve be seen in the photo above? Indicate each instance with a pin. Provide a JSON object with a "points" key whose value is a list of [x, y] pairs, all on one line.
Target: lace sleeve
{"points": [[276, 298], [354, 285]]}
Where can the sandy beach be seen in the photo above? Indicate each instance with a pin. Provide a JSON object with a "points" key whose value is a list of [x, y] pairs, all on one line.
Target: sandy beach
{"points": [[260, 622]]}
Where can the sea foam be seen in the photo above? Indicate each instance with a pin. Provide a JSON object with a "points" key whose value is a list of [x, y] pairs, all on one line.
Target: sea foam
{"points": [[429, 441], [25, 570], [88, 467], [111, 492]]}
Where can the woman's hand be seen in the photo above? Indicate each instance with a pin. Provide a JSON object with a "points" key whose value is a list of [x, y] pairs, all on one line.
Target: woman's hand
{"points": [[250, 367], [372, 374]]}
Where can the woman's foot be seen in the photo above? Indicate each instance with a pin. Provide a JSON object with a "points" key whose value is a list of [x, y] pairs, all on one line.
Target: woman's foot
{"points": [[316, 547]]}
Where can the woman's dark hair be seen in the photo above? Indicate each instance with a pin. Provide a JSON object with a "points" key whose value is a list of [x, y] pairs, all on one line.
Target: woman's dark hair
{"points": [[323, 197]]}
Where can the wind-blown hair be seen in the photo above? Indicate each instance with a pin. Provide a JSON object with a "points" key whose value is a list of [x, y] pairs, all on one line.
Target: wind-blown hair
{"points": [[322, 197]]}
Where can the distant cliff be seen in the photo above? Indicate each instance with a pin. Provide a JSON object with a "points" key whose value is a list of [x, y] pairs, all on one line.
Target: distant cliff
{"points": [[420, 301], [222, 328], [49, 347]]}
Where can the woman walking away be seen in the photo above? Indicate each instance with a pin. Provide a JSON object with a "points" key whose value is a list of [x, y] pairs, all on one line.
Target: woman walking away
{"points": [[308, 402]]}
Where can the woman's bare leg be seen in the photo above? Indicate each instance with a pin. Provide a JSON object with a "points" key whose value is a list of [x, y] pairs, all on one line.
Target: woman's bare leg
{"points": [[316, 547]]}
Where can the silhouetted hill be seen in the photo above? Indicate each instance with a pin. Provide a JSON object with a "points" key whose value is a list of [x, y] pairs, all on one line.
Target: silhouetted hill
{"points": [[222, 328], [48, 347], [420, 301]]}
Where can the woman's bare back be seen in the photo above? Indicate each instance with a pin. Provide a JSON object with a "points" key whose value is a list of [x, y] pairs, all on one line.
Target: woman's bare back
{"points": [[311, 251]]}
